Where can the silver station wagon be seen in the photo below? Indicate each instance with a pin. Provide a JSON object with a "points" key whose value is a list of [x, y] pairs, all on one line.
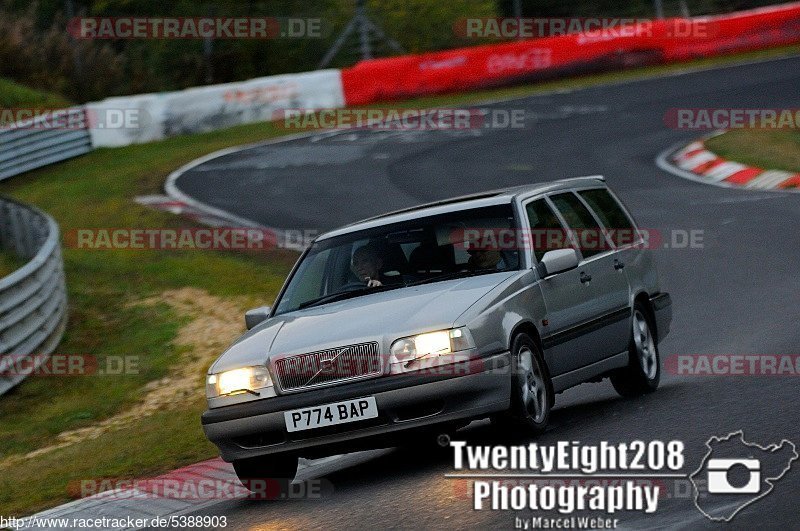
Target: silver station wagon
{"points": [[414, 323]]}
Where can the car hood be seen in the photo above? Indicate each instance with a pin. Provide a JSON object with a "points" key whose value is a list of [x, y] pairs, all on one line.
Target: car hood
{"points": [[382, 316]]}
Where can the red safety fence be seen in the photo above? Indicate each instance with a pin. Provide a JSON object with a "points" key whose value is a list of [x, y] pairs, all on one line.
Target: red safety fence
{"points": [[652, 42]]}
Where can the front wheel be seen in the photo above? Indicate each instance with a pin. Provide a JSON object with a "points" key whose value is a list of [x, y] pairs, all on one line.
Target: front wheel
{"points": [[267, 477], [531, 388], [643, 373]]}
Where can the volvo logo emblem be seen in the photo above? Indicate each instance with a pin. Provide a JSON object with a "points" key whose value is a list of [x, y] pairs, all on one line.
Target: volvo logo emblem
{"points": [[326, 363]]}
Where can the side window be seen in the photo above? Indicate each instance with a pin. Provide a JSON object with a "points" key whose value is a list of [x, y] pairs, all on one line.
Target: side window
{"points": [[547, 233], [588, 233], [611, 214]]}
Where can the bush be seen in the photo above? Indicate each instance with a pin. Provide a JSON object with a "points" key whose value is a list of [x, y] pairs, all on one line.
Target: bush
{"points": [[50, 60]]}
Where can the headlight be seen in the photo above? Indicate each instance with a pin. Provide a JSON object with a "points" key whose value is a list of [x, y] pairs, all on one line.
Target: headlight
{"points": [[244, 380], [431, 344]]}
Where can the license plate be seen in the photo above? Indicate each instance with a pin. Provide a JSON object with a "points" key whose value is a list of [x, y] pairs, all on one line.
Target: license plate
{"points": [[309, 418]]}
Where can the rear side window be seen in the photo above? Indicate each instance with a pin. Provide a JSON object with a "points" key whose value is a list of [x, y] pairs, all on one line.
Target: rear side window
{"points": [[588, 232], [610, 212]]}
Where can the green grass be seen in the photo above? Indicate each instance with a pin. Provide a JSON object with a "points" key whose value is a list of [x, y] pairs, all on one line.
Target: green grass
{"points": [[13, 94], [146, 448], [770, 150], [96, 190], [9, 262]]}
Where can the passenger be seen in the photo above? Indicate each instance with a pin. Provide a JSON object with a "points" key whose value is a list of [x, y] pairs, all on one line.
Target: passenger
{"points": [[367, 264]]}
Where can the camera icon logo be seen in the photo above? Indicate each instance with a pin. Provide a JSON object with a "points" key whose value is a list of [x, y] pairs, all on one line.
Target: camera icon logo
{"points": [[736, 473], [718, 476]]}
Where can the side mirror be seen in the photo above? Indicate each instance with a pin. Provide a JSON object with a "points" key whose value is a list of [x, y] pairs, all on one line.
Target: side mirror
{"points": [[557, 261], [255, 316]]}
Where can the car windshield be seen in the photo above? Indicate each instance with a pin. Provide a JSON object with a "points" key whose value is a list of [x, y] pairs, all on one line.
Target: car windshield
{"points": [[423, 250]]}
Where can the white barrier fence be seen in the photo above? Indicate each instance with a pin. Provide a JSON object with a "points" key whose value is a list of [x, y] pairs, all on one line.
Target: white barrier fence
{"points": [[151, 117]]}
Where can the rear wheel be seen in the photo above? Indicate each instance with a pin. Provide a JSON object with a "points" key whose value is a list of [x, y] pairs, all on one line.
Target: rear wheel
{"points": [[531, 389], [643, 373], [267, 477]]}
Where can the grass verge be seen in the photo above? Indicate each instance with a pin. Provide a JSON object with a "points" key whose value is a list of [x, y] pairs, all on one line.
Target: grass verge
{"points": [[9, 262], [144, 448], [13, 94], [96, 190], [770, 150]]}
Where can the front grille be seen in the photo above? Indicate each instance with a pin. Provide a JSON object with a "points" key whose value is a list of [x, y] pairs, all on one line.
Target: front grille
{"points": [[328, 366]]}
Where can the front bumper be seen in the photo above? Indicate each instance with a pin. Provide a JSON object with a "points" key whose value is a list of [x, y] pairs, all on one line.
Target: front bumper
{"points": [[405, 403], [662, 310]]}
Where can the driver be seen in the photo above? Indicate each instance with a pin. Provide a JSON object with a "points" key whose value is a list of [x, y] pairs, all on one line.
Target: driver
{"points": [[367, 264], [480, 259]]}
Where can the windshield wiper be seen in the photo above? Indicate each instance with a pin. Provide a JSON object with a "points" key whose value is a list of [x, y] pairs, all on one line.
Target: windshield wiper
{"points": [[342, 295], [454, 274]]}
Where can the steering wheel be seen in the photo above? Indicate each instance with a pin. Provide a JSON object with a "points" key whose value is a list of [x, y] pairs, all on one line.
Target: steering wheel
{"points": [[352, 286]]}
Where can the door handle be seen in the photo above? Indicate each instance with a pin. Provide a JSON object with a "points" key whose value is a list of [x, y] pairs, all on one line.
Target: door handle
{"points": [[585, 278], [618, 265]]}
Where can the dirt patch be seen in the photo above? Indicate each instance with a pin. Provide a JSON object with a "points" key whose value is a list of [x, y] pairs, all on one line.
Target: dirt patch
{"points": [[213, 323]]}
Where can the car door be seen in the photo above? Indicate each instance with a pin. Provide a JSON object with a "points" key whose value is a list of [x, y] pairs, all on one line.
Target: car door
{"points": [[629, 253], [568, 303], [603, 282]]}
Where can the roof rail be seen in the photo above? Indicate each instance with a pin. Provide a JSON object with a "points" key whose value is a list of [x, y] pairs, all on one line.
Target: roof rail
{"points": [[448, 201], [582, 178]]}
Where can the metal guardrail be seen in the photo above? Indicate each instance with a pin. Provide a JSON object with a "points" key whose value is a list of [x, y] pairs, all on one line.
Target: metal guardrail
{"points": [[33, 299], [30, 146]]}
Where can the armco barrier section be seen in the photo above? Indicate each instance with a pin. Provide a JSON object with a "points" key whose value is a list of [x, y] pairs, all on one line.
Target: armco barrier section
{"points": [[27, 146], [33, 299], [201, 109], [655, 42]]}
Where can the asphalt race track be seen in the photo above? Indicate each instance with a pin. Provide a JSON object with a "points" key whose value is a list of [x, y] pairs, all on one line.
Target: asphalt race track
{"points": [[739, 294]]}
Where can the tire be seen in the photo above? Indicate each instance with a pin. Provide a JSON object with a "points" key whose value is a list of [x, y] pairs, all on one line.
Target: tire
{"points": [[532, 394], [267, 477], [643, 373]]}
